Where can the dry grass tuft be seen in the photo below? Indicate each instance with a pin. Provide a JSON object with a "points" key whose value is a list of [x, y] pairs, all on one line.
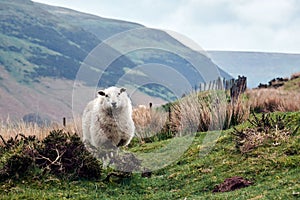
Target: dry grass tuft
{"points": [[190, 114], [238, 112], [207, 111], [254, 139], [10, 128], [148, 122], [295, 75], [271, 100], [265, 130]]}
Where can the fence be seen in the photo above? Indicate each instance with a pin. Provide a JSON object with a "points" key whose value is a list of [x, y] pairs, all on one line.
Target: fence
{"points": [[236, 86]]}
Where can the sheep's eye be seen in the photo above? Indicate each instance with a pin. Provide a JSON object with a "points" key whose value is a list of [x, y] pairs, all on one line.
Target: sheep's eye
{"points": [[106, 95], [119, 94]]}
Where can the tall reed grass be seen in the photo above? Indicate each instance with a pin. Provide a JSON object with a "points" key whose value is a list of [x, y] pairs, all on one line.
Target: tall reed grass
{"points": [[148, 122], [208, 111], [271, 100]]}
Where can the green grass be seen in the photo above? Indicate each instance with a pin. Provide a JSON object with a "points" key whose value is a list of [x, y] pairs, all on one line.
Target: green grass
{"points": [[274, 170], [292, 85]]}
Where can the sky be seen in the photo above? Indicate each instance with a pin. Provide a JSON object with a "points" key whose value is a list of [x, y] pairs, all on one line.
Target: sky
{"points": [[233, 25]]}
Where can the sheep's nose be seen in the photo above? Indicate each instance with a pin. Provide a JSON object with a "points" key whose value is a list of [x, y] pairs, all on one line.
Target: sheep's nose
{"points": [[114, 104]]}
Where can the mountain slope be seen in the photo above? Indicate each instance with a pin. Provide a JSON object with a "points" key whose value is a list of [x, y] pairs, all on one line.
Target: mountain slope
{"points": [[132, 34], [53, 41], [41, 44], [35, 43]]}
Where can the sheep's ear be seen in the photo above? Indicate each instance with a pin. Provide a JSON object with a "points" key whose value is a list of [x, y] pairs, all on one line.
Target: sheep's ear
{"points": [[101, 93], [122, 90]]}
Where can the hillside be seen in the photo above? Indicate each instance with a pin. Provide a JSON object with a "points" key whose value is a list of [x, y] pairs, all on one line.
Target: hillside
{"points": [[53, 42], [258, 67], [41, 44], [35, 43], [154, 46]]}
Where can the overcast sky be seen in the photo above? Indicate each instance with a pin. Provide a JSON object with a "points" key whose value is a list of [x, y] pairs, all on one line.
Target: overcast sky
{"points": [[240, 25]]}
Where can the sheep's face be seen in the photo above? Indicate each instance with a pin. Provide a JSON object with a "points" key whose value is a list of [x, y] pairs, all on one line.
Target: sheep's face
{"points": [[112, 97]]}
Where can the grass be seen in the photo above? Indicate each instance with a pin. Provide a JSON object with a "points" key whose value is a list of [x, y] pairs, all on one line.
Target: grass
{"points": [[270, 100], [282, 99], [210, 110], [273, 169], [294, 84], [9, 128], [148, 122]]}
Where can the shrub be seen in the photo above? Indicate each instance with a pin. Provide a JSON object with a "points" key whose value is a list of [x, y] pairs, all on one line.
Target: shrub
{"points": [[60, 153], [64, 154], [17, 157]]}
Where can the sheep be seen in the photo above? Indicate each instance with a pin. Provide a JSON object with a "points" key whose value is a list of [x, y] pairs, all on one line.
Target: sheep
{"points": [[107, 120]]}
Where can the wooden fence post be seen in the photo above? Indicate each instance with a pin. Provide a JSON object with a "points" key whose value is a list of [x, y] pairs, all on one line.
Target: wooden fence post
{"points": [[239, 86], [64, 121]]}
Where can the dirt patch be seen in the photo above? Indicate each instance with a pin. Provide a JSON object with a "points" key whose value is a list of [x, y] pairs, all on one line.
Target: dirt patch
{"points": [[232, 183]]}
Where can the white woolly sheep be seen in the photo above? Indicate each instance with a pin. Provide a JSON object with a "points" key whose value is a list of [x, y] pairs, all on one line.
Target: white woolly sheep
{"points": [[107, 120]]}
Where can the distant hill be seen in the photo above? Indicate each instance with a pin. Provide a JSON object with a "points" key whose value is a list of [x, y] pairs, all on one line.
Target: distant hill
{"points": [[104, 28], [34, 43], [42, 48], [259, 67], [46, 41]]}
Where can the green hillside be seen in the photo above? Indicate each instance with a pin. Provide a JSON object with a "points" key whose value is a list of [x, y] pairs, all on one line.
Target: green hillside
{"points": [[35, 43], [39, 40], [147, 38]]}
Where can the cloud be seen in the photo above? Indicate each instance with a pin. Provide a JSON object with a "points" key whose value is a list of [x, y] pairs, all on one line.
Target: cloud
{"points": [[265, 12], [256, 25]]}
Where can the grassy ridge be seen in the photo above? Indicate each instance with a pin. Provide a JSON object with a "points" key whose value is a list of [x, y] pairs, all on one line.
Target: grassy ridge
{"points": [[274, 169]]}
